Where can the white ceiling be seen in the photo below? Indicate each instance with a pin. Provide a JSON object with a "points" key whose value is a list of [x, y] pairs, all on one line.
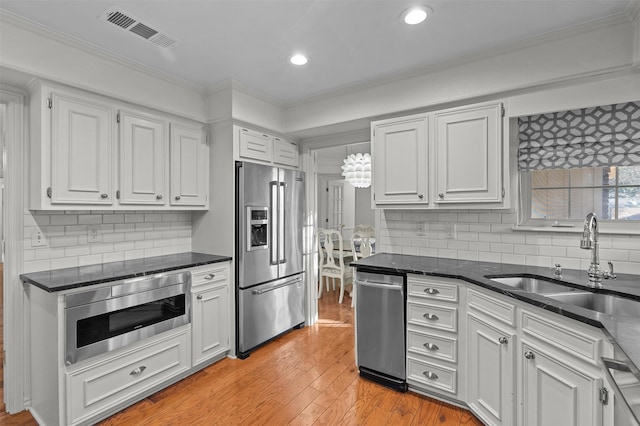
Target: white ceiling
{"points": [[349, 42]]}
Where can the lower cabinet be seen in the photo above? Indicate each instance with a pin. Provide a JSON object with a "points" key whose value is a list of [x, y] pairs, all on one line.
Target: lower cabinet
{"points": [[491, 371], [210, 323], [104, 385]]}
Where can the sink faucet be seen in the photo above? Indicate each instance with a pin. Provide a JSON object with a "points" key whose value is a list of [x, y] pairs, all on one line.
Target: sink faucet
{"points": [[589, 241]]}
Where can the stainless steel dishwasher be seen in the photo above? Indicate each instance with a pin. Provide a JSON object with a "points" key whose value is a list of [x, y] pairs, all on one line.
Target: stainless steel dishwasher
{"points": [[380, 328]]}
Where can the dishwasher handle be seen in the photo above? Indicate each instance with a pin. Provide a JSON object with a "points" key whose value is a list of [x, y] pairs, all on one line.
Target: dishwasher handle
{"points": [[394, 287]]}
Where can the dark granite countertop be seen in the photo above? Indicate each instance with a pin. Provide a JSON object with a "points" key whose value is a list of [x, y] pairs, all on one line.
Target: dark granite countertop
{"points": [[81, 276], [622, 332]]}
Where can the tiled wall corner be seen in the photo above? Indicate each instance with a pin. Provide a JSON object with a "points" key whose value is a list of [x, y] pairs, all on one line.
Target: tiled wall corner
{"points": [[121, 236], [487, 236]]}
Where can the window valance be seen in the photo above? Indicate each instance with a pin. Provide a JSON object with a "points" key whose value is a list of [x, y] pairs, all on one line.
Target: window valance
{"points": [[588, 137]]}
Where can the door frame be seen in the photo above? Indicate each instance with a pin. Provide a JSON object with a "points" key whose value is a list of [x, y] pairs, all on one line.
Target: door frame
{"points": [[16, 371]]}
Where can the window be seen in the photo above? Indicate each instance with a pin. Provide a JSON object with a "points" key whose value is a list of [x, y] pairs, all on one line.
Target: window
{"points": [[612, 193], [575, 162]]}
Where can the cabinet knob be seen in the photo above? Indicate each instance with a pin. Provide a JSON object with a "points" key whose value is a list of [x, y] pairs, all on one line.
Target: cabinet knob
{"points": [[104, 196], [420, 196], [529, 355], [431, 290], [441, 195], [138, 371], [209, 276], [158, 197], [177, 198], [503, 340], [430, 375], [199, 297], [431, 317], [431, 347]]}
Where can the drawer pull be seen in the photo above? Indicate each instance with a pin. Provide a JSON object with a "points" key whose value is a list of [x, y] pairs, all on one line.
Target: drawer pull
{"points": [[199, 297], [138, 371], [431, 347], [431, 290], [177, 198], [430, 375], [431, 317], [529, 355], [209, 276]]}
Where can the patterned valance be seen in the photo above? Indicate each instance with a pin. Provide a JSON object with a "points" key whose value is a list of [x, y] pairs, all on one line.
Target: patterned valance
{"points": [[589, 137]]}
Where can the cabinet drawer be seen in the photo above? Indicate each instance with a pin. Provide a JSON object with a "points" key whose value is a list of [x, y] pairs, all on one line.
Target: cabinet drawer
{"points": [[430, 345], [432, 316], [573, 339], [435, 289], [209, 275], [427, 374], [104, 385], [492, 306]]}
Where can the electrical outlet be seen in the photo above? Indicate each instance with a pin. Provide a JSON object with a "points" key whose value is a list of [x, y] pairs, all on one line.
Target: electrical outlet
{"points": [[93, 236], [452, 232], [421, 228], [38, 239]]}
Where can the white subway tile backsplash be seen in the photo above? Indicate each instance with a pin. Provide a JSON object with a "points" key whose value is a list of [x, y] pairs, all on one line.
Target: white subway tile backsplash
{"points": [[120, 236]]}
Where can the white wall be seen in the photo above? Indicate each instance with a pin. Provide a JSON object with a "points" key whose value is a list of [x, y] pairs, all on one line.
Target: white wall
{"points": [[123, 235], [487, 236]]}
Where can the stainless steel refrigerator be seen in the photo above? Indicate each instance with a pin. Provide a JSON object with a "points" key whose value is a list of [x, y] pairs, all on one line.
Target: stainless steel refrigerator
{"points": [[269, 267]]}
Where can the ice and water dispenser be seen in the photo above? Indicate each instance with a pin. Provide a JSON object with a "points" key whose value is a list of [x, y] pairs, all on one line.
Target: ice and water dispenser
{"points": [[257, 228]]}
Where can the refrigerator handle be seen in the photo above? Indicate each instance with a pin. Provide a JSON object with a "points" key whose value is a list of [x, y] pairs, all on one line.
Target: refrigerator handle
{"points": [[274, 223], [282, 241]]}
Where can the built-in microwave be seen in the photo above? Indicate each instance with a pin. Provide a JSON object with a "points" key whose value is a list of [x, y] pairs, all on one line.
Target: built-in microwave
{"points": [[112, 317]]}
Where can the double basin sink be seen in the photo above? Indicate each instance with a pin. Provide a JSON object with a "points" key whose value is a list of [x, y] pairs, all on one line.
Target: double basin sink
{"points": [[608, 304]]}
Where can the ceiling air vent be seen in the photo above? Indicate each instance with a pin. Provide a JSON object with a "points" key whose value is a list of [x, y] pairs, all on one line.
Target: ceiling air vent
{"points": [[132, 24]]}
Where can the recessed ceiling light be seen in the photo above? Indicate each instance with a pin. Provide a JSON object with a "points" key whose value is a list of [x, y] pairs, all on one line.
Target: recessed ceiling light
{"points": [[298, 59], [415, 15]]}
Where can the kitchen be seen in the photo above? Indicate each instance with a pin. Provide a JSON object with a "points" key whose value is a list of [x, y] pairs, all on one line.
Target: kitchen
{"points": [[556, 72]]}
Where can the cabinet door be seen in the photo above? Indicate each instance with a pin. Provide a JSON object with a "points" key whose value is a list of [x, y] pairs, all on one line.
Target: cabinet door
{"points": [[255, 145], [285, 152], [556, 391], [210, 324], [82, 143], [143, 156], [399, 162], [469, 154], [189, 167], [491, 371]]}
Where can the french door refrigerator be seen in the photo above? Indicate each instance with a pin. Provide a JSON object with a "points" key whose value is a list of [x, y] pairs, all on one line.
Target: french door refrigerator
{"points": [[269, 268]]}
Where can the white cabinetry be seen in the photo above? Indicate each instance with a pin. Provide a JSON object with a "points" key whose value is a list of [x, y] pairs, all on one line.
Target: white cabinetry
{"points": [[400, 161], [143, 159], [433, 336], [446, 159], [189, 166], [82, 158], [210, 307], [469, 154], [101, 386], [263, 148], [491, 365]]}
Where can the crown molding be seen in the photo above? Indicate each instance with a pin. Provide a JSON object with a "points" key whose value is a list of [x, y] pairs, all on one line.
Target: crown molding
{"points": [[12, 18], [555, 35]]}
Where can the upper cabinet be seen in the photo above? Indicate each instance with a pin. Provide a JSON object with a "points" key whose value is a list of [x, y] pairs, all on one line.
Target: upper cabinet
{"points": [[469, 154], [85, 156], [447, 159], [189, 166], [400, 161], [81, 150], [143, 159], [260, 147]]}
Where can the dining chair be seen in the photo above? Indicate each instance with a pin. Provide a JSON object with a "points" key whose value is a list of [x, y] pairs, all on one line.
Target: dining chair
{"points": [[361, 247], [331, 252]]}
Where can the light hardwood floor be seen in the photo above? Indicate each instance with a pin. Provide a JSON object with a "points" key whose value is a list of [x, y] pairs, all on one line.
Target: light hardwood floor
{"points": [[306, 377]]}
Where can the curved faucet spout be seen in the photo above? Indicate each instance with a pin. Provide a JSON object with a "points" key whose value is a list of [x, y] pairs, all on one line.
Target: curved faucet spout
{"points": [[589, 241]]}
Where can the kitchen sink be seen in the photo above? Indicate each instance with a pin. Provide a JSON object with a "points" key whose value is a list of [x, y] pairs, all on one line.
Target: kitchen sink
{"points": [[533, 285], [605, 303]]}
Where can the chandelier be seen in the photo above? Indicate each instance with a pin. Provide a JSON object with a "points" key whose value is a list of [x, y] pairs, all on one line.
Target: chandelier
{"points": [[357, 170]]}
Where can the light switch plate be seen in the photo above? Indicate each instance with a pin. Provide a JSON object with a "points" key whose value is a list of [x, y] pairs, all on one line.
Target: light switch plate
{"points": [[38, 239]]}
